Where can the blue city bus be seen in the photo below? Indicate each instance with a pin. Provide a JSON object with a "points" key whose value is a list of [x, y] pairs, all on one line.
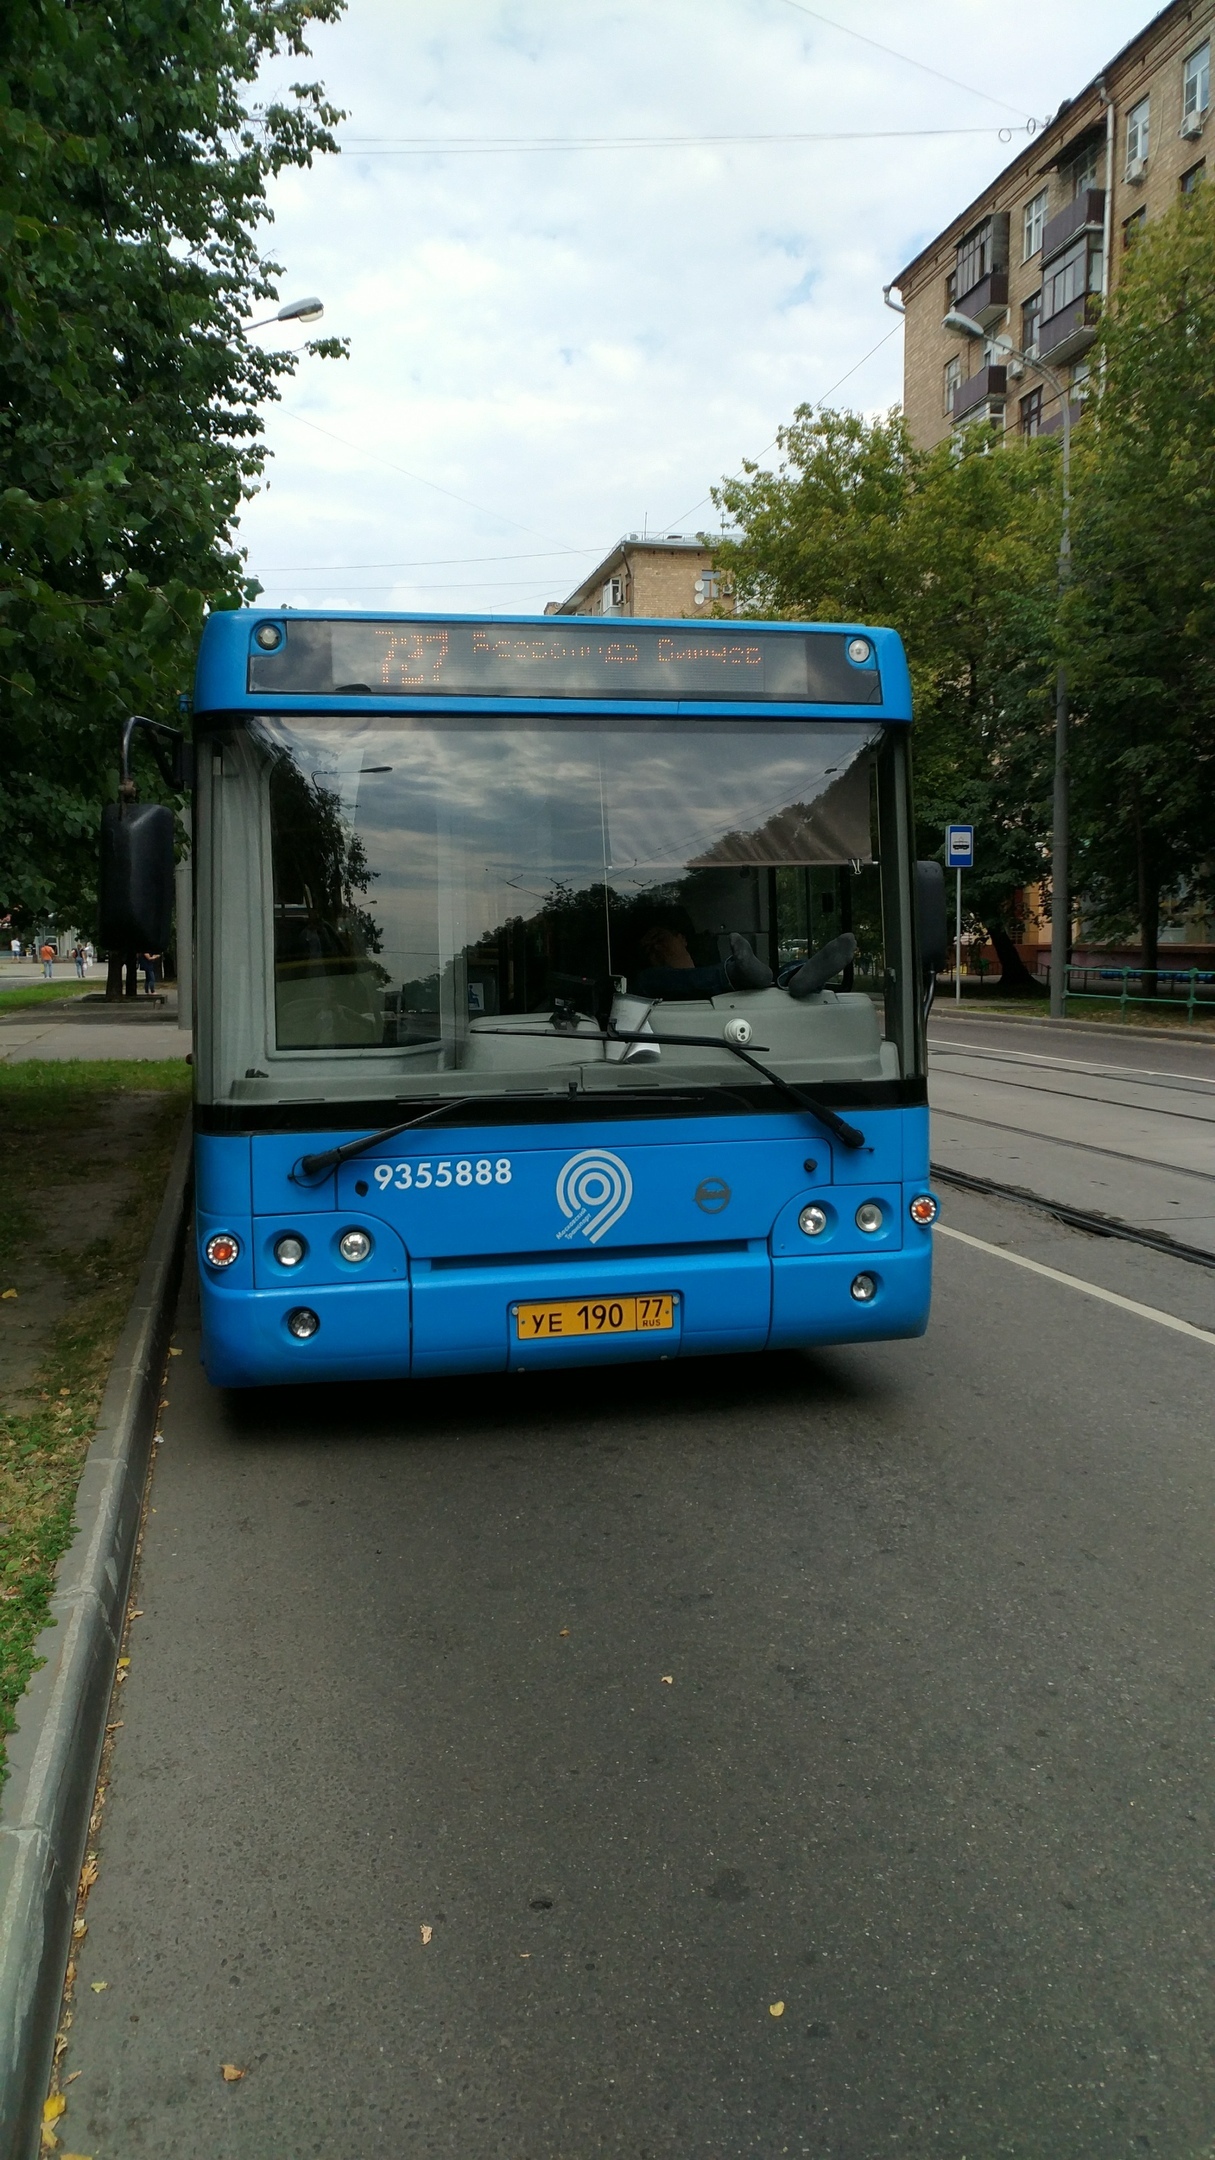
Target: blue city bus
{"points": [[559, 997]]}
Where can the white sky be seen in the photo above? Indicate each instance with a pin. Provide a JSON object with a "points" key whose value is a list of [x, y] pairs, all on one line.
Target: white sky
{"points": [[549, 349]]}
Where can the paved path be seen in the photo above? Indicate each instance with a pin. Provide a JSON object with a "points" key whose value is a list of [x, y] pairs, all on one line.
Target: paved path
{"points": [[60, 1032], [869, 1683], [1118, 1125]]}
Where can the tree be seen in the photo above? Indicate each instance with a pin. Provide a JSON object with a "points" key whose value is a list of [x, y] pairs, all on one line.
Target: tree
{"points": [[955, 548], [1141, 627], [132, 182]]}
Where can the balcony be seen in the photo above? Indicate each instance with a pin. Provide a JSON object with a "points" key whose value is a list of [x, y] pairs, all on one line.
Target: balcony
{"points": [[987, 301], [1065, 335], [1086, 214], [974, 399], [1052, 422]]}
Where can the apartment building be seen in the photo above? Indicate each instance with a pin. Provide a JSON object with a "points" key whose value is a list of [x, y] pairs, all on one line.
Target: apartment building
{"points": [[1034, 256], [647, 576]]}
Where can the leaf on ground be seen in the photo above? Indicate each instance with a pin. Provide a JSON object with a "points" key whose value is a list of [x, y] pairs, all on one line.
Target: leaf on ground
{"points": [[668, 1679], [563, 1631], [7, 1293], [80, 1929], [172, 1353], [230, 2074], [99, 1987], [76, 2156], [426, 1932], [53, 2107], [776, 2009], [88, 1873]]}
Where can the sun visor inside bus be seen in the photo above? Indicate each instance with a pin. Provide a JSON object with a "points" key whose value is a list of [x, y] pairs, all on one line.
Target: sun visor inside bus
{"points": [[565, 660], [833, 828]]}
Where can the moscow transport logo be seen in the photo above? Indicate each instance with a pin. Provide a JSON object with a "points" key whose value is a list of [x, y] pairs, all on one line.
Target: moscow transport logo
{"points": [[593, 1190]]}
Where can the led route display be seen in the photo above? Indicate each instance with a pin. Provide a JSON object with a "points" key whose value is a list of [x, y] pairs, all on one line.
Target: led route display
{"points": [[345, 657]]}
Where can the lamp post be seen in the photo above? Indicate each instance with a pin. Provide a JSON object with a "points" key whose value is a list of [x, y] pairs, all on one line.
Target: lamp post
{"points": [[1060, 900], [310, 310]]}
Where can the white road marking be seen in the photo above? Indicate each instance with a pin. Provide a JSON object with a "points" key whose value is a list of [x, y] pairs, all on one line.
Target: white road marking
{"points": [[1074, 1282], [1096, 1072]]}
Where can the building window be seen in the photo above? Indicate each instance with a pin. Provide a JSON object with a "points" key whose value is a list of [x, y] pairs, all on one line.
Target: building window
{"points": [[1137, 133], [708, 587], [1133, 226], [1031, 412], [980, 251], [1082, 172], [953, 378], [1076, 273], [1196, 83], [1034, 220], [1031, 317], [1081, 382], [1190, 179]]}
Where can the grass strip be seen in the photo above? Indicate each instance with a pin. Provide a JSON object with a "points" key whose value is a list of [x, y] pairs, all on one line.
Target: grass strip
{"points": [[42, 993], [42, 1449]]}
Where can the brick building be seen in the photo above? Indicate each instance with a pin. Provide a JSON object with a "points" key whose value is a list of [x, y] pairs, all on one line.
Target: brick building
{"points": [[1034, 255], [647, 576]]}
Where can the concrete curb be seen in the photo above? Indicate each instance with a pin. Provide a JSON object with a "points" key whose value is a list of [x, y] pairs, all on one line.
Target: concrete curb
{"points": [[54, 1754], [1128, 1031]]}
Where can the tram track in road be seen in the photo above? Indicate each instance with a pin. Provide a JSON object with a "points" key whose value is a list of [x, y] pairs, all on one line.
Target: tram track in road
{"points": [[1172, 1083], [1090, 1220]]}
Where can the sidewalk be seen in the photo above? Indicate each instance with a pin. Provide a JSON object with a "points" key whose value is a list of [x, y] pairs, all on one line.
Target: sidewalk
{"points": [[139, 1028]]}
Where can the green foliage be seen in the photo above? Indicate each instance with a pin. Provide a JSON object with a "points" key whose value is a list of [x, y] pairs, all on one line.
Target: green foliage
{"points": [[956, 549], [132, 182], [1141, 628]]}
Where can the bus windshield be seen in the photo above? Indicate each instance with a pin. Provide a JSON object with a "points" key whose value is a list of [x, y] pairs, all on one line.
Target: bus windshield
{"points": [[443, 884]]}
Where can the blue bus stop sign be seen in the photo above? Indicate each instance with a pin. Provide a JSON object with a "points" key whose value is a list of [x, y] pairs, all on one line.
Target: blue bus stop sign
{"points": [[960, 847]]}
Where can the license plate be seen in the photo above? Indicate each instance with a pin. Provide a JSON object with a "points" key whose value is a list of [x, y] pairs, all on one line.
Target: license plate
{"points": [[565, 1317]]}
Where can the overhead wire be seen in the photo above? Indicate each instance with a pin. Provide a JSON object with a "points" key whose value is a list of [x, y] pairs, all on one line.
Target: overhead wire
{"points": [[493, 145], [907, 59]]}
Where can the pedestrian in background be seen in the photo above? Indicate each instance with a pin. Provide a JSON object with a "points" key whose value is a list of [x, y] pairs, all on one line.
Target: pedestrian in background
{"points": [[78, 957], [149, 960], [47, 957]]}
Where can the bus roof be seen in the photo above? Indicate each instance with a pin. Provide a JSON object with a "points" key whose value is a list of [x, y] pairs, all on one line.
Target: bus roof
{"points": [[287, 659]]}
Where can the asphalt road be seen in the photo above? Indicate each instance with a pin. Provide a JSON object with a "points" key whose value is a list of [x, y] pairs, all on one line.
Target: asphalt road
{"points": [[870, 1684], [1109, 1121]]}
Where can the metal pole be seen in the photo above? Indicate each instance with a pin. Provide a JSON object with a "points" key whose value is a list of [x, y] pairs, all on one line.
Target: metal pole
{"points": [[1060, 894], [957, 952]]}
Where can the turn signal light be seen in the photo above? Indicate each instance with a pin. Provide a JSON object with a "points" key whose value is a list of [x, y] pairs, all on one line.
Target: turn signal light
{"points": [[222, 1249], [301, 1323], [924, 1209]]}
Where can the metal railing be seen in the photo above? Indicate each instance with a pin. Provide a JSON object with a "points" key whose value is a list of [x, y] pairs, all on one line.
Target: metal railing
{"points": [[1192, 981]]}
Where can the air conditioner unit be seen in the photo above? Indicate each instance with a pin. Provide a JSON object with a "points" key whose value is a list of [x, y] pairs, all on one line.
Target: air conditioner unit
{"points": [[1193, 124], [1016, 369], [1136, 169]]}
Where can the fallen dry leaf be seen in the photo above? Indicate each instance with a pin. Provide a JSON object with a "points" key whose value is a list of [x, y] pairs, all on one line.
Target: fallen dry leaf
{"points": [[137, 1614], [76, 2156], [8, 1293], [116, 1726], [230, 2074], [80, 1929], [776, 2009], [563, 1631], [53, 2107], [72, 2077], [426, 1932], [668, 1679], [65, 1391], [50, 2142], [177, 1353], [99, 1987], [88, 1873]]}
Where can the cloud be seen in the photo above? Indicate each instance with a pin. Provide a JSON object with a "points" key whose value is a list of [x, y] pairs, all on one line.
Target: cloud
{"points": [[579, 342]]}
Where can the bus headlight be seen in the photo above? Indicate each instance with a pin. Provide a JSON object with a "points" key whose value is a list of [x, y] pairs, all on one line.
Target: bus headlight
{"points": [[301, 1323], [924, 1209], [354, 1245], [864, 1288], [812, 1220], [869, 1217], [222, 1249], [289, 1250]]}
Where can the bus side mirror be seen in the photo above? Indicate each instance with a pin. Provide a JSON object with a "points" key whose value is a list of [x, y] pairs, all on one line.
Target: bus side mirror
{"points": [[135, 891], [932, 924]]}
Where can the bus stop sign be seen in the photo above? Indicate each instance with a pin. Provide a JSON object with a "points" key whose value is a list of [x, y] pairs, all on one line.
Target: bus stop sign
{"points": [[960, 847]]}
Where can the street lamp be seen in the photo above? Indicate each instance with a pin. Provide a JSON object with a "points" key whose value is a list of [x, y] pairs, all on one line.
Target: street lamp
{"points": [[310, 310], [1060, 906]]}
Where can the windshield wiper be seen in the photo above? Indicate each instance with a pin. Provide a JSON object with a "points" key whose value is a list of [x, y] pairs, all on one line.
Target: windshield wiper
{"points": [[312, 1165], [846, 1134]]}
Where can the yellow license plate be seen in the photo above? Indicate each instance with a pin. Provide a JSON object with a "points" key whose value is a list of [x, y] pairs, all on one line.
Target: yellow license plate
{"points": [[565, 1317]]}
